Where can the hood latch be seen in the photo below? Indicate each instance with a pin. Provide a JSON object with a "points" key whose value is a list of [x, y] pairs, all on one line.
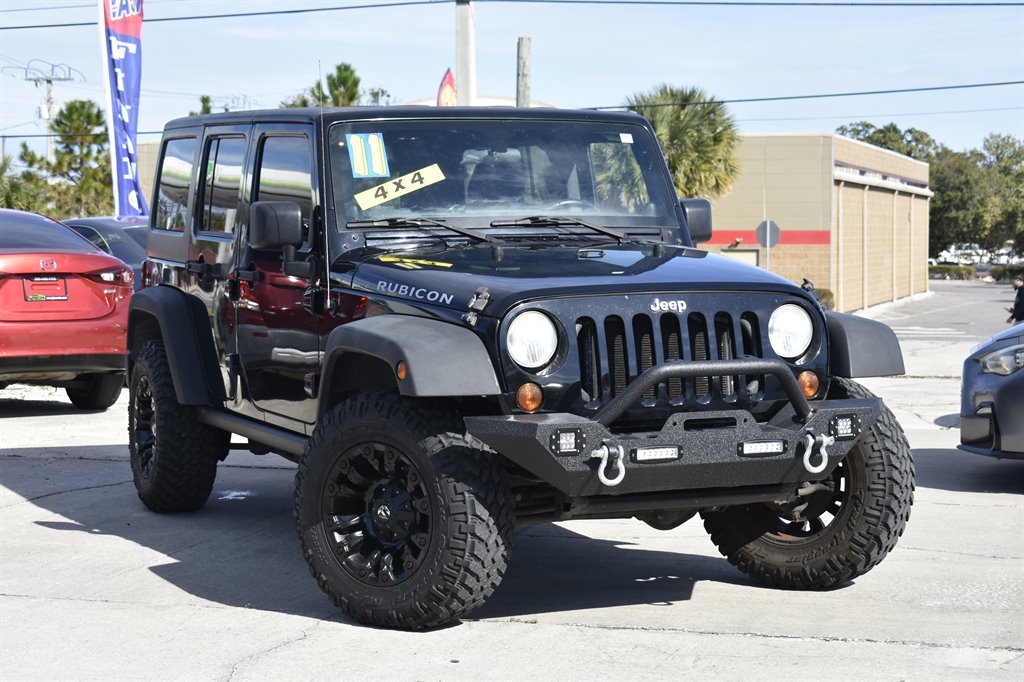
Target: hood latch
{"points": [[481, 298]]}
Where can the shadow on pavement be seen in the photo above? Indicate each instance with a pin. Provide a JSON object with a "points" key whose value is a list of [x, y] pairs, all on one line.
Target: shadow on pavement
{"points": [[241, 549], [957, 471], [37, 408]]}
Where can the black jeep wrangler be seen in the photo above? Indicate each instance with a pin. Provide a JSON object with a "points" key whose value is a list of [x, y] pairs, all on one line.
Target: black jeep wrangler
{"points": [[460, 320]]}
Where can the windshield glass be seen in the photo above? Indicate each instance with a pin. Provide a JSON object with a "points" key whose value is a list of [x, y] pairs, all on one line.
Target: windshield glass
{"points": [[471, 172]]}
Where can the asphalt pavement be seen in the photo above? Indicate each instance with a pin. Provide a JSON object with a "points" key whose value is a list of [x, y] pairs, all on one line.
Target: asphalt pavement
{"points": [[93, 586]]}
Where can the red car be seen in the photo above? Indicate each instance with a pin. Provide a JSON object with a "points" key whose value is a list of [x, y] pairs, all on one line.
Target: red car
{"points": [[63, 310]]}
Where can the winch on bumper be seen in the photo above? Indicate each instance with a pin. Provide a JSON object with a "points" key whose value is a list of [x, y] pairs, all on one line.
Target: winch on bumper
{"points": [[581, 456]]}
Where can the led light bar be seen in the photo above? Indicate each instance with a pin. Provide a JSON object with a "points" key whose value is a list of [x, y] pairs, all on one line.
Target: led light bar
{"points": [[656, 454], [761, 448]]}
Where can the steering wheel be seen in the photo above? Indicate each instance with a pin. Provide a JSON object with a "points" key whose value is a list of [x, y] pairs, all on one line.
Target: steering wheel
{"points": [[572, 203]]}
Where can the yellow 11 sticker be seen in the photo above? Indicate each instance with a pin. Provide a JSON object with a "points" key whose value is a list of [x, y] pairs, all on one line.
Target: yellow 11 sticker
{"points": [[393, 189]]}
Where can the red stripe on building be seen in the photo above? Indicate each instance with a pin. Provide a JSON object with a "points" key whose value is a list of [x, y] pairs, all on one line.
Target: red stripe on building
{"points": [[727, 237]]}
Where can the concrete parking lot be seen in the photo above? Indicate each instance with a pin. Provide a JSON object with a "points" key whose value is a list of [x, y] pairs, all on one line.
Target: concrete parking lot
{"points": [[93, 586]]}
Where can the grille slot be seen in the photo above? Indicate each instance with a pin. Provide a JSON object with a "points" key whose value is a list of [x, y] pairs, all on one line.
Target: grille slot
{"points": [[590, 360], [698, 327], [672, 349], [618, 369], [726, 351], [643, 333], [613, 351]]}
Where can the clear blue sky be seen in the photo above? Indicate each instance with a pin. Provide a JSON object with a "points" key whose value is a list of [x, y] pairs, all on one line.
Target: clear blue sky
{"points": [[584, 55]]}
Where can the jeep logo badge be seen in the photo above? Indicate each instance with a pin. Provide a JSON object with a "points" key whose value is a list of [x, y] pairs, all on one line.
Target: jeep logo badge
{"points": [[677, 306]]}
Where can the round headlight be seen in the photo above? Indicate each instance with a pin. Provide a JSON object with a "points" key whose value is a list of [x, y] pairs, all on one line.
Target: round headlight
{"points": [[790, 331], [532, 340]]}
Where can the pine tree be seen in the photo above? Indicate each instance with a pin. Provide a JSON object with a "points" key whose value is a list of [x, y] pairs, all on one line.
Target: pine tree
{"points": [[77, 181]]}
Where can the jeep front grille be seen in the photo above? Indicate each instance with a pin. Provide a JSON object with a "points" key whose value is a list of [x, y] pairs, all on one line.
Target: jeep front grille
{"points": [[613, 351]]}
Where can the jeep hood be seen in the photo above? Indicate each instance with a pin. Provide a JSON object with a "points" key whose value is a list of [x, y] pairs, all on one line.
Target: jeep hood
{"points": [[516, 273]]}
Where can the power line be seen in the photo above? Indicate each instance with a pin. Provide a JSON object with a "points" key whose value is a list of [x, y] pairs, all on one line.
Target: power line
{"points": [[791, 98], [866, 116], [236, 15], [765, 3], [675, 3]]}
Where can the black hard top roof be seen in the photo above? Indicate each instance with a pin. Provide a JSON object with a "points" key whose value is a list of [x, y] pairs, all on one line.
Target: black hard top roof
{"points": [[333, 114]]}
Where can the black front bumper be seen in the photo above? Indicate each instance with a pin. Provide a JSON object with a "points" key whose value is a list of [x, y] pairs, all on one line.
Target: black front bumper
{"points": [[709, 446]]}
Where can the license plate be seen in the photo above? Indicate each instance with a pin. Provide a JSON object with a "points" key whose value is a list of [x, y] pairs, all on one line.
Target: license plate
{"points": [[45, 288], [657, 454]]}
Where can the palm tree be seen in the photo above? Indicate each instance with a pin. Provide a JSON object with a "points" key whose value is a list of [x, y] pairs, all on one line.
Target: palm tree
{"points": [[697, 135]]}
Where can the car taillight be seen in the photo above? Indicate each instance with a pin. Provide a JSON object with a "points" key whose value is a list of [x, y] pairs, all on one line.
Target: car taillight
{"points": [[117, 276]]}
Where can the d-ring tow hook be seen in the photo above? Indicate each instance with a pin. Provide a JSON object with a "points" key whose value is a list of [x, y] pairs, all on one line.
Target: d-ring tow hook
{"points": [[617, 456], [822, 442]]}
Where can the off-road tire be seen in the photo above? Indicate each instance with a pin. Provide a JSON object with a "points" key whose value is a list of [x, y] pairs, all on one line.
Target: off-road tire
{"points": [[173, 456], [98, 392], [880, 476], [461, 482]]}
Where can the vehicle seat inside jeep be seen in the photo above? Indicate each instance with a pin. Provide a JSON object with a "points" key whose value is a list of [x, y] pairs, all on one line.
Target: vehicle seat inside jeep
{"points": [[497, 178]]}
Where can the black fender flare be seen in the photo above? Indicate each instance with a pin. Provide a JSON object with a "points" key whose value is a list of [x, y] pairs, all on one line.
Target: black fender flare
{"points": [[859, 347], [443, 359], [184, 327]]}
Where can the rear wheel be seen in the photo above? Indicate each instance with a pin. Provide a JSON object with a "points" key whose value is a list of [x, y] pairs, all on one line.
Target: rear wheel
{"points": [[96, 391], [404, 521], [845, 524], [173, 456]]}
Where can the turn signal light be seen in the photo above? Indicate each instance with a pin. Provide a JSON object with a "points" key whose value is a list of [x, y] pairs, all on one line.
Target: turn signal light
{"points": [[529, 397], [809, 383], [402, 370]]}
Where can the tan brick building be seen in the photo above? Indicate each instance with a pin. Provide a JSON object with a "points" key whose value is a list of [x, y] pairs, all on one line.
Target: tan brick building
{"points": [[853, 217]]}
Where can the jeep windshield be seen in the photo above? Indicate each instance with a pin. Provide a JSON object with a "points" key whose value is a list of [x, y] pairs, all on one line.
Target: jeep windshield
{"points": [[496, 174]]}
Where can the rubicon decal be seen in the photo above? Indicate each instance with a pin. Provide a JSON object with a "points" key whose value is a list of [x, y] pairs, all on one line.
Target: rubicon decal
{"points": [[418, 293]]}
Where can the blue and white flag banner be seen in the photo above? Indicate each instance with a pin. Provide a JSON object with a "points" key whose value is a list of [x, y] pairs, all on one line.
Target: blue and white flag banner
{"points": [[121, 33]]}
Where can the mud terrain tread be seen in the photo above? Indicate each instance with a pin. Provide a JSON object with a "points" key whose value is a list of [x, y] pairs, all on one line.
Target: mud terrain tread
{"points": [[888, 496], [481, 516], [185, 451]]}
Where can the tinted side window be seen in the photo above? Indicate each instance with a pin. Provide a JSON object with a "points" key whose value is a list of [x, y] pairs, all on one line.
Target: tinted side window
{"points": [[175, 173], [285, 174], [92, 235], [222, 182]]}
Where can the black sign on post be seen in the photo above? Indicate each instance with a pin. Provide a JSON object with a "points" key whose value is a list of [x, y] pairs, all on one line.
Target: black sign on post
{"points": [[768, 233], [767, 236]]}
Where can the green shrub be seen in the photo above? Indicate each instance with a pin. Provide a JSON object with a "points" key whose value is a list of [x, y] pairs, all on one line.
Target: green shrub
{"points": [[826, 298], [950, 272], [1004, 273]]}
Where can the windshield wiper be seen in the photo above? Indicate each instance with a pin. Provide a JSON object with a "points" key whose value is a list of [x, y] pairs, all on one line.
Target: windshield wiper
{"points": [[420, 223], [556, 221]]}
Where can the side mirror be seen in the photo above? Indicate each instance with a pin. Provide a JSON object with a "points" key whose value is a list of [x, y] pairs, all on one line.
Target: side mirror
{"points": [[275, 224], [698, 218]]}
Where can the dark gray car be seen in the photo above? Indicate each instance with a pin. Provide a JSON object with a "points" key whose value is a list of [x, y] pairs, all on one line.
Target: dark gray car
{"points": [[992, 402], [123, 238]]}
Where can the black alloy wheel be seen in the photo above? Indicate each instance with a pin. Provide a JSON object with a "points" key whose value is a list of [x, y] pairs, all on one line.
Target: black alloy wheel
{"points": [[143, 425], [819, 507], [377, 514], [404, 520]]}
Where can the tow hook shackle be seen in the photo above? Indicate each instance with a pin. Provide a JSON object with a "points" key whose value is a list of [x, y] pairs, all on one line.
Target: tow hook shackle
{"points": [[614, 456], [819, 443]]}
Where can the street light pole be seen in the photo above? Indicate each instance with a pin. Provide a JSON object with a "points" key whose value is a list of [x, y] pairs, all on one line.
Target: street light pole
{"points": [[465, 53]]}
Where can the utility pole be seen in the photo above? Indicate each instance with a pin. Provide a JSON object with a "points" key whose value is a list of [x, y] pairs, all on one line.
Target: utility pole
{"points": [[523, 73], [465, 53], [38, 71]]}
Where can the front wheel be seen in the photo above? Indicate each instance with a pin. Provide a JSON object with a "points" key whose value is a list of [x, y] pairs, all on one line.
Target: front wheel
{"points": [[404, 521], [845, 524]]}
